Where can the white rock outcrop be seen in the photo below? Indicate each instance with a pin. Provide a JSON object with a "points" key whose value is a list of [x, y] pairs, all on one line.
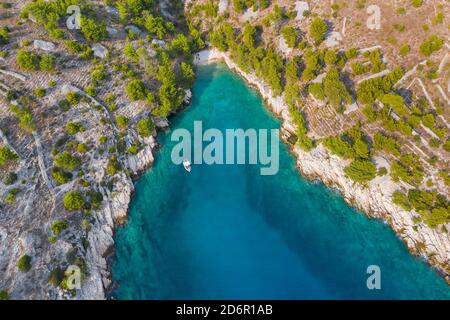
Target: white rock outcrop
{"points": [[301, 7], [100, 51], [44, 45]]}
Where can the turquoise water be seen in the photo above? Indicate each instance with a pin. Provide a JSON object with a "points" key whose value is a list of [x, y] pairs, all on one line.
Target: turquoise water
{"points": [[226, 232]]}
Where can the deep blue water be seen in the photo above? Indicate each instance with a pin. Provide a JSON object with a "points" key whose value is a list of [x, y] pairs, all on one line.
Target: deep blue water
{"points": [[226, 232]]}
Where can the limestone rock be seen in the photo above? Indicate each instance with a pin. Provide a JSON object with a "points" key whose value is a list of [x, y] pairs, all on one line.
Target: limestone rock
{"points": [[44, 45], [301, 7], [100, 51], [187, 96]]}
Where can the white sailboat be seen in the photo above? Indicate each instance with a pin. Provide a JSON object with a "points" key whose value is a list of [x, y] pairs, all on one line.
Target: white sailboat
{"points": [[187, 165]]}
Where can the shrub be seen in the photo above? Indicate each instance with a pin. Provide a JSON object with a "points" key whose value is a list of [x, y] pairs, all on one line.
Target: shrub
{"points": [[82, 148], [404, 49], [446, 145], [386, 143], [73, 46], [6, 155], [95, 199], [74, 127], [113, 166], [4, 35], [400, 199], [39, 92], [130, 52], [408, 169], [4, 295], [58, 225], [382, 171], [157, 26], [317, 30], [432, 44], [74, 200], [351, 53], [60, 176], [93, 31], [10, 198], [27, 60], [416, 3], [290, 35], [10, 178], [122, 122], [436, 217], [136, 90], [145, 127], [25, 117], [361, 171], [187, 75], [67, 161], [73, 98], [359, 68], [56, 277], [396, 102], [24, 263], [47, 63]]}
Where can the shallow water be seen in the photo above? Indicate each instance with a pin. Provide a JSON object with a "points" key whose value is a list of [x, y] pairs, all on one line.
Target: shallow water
{"points": [[226, 232]]}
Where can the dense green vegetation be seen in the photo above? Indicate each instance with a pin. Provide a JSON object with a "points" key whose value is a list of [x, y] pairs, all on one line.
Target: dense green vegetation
{"points": [[353, 145], [432, 44], [290, 35], [74, 127], [170, 96], [350, 145], [4, 35], [56, 276], [4, 295], [407, 169], [10, 178], [25, 117], [113, 166], [92, 30], [73, 98], [332, 89], [60, 176], [395, 102], [7, 155], [74, 200], [317, 30], [136, 90], [48, 14], [24, 263], [433, 207], [145, 127], [303, 140], [370, 90], [27, 60], [361, 170], [66, 161], [58, 226], [385, 143]]}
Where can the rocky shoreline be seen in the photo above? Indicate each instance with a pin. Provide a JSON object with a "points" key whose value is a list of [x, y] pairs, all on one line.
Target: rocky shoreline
{"points": [[374, 199]]}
